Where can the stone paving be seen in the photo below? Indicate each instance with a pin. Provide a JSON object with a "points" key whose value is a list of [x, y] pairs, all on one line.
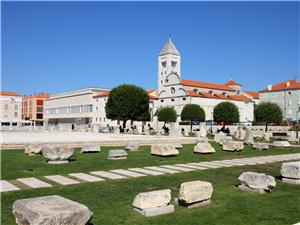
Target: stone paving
{"points": [[96, 176]]}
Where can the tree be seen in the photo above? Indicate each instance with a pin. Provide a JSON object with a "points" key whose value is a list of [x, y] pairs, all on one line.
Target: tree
{"points": [[192, 112], [226, 112], [127, 102], [167, 115], [268, 112]]}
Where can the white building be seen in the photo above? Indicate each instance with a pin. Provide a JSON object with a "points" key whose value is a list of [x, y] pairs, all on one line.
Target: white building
{"points": [[72, 108], [100, 102], [176, 92], [11, 109], [87, 106], [287, 95]]}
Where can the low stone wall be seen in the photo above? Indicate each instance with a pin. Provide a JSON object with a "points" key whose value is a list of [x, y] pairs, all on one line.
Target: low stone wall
{"points": [[167, 140]]}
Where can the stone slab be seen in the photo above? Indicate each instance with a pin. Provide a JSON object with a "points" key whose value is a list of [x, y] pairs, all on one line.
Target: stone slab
{"points": [[245, 188], [226, 164], [34, 182], [145, 171], [128, 173], [199, 167], [199, 204], [210, 166], [190, 166], [179, 168], [6, 186], [62, 180], [155, 211], [86, 177], [107, 175], [291, 181], [160, 169]]}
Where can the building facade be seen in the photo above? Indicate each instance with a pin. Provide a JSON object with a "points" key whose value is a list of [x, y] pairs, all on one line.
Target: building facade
{"points": [[72, 108], [287, 95], [33, 108], [11, 109], [177, 92]]}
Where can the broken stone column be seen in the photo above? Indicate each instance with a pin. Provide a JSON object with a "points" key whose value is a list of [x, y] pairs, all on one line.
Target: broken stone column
{"points": [[52, 209], [256, 182], [204, 148], [153, 203], [164, 150], [132, 146], [57, 154], [290, 172], [195, 193]]}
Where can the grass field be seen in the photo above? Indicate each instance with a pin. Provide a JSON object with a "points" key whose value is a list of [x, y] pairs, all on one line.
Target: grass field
{"points": [[111, 200], [15, 164]]}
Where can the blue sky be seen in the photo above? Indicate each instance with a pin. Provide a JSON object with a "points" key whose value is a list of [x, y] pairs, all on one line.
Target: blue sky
{"points": [[58, 46]]}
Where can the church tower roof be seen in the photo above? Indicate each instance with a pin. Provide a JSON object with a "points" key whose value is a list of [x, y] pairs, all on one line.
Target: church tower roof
{"points": [[169, 48]]}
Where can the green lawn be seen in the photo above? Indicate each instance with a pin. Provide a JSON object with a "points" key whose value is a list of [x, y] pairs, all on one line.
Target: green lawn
{"points": [[15, 164], [110, 200]]}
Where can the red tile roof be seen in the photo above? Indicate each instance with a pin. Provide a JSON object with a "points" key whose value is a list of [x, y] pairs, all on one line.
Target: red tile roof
{"points": [[206, 85], [151, 94], [7, 93], [219, 96], [41, 95], [239, 98], [253, 94], [103, 94], [232, 82], [285, 85]]}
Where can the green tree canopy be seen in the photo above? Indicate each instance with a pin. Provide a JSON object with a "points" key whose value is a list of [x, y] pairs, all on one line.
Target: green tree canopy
{"points": [[167, 115], [192, 112], [226, 112], [127, 102], [268, 112]]}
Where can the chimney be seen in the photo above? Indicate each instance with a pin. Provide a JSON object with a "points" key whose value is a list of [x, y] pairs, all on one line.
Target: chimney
{"points": [[287, 84], [270, 87]]}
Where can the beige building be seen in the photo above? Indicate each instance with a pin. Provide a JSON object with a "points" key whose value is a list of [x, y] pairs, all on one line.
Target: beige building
{"points": [[71, 109], [33, 108], [11, 109]]}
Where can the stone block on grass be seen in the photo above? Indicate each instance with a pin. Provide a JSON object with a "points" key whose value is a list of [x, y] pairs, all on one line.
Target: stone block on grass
{"points": [[50, 210], [195, 193], [260, 182], [88, 148], [164, 150], [117, 154], [153, 203]]}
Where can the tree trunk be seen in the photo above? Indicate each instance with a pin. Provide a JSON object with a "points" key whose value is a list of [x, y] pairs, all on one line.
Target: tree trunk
{"points": [[124, 124], [191, 127], [266, 129]]}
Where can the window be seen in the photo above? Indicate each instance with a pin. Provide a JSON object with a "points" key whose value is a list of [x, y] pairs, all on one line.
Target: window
{"points": [[172, 99], [16, 114], [6, 115], [75, 109], [289, 112], [172, 90], [173, 63], [289, 102], [16, 107], [87, 108], [39, 116], [183, 99], [290, 93], [6, 106], [39, 109], [164, 64], [39, 102], [195, 90], [161, 100], [62, 110]]}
